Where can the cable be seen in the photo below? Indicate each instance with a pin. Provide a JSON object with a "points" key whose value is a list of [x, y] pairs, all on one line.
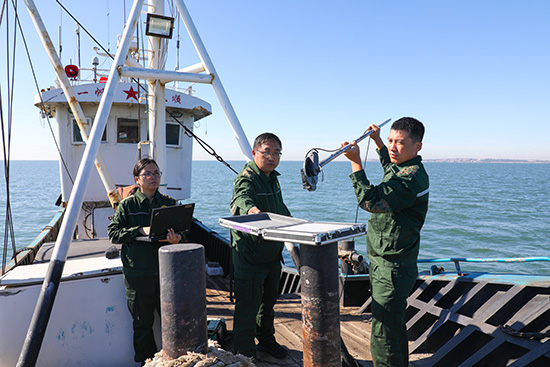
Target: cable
{"points": [[207, 148], [41, 100], [364, 167], [6, 143], [188, 132]]}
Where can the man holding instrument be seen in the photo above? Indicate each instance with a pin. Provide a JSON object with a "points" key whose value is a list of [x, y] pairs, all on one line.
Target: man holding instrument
{"points": [[398, 205]]}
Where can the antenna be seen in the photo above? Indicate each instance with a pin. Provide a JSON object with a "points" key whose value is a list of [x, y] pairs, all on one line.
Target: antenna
{"points": [[60, 28], [312, 166]]}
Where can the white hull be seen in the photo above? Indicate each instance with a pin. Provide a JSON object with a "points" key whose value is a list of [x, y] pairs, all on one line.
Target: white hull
{"points": [[90, 323]]}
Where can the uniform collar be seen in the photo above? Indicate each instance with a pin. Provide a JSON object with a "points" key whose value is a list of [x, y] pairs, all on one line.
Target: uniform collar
{"points": [[141, 196], [411, 162]]}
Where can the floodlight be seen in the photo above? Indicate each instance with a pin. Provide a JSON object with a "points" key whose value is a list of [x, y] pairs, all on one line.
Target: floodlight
{"points": [[159, 26]]}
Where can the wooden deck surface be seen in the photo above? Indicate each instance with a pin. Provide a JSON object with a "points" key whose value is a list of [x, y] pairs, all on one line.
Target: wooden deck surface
{"points": [[354, 328]]}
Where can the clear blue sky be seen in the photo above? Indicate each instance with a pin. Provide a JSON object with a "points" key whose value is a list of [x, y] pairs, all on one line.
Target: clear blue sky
{"points": [[316, 73]]}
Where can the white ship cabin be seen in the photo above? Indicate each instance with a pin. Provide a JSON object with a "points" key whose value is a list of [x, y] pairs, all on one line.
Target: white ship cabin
{"points": [[125, 140]]}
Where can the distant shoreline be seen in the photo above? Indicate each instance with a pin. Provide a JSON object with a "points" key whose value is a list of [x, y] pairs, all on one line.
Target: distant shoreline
{"points": [[442, 160], [486, 160]]}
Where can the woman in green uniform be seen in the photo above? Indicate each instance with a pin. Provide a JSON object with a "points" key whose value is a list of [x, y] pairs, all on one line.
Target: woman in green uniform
{"points": [[140, 259]]}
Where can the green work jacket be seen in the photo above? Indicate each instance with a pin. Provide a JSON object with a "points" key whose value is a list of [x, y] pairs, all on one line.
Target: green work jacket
{"points": [[253, 188], [138, 258], [398, 205]]}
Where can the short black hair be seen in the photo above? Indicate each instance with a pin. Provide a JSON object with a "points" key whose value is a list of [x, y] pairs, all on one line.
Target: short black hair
{"points": [[412, 126], [262, 138], [141, 164]]}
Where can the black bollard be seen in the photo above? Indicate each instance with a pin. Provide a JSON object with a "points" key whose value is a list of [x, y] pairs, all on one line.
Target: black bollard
{"points": [[183, 299], [320, 305]]}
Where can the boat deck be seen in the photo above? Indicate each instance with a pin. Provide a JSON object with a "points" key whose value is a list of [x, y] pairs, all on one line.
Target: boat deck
{"points": [[354, 328]]}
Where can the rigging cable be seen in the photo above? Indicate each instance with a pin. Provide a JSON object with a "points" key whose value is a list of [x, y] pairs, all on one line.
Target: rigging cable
{"points": [[188, 132], [41, 100], [202, 143], [6, 144]]}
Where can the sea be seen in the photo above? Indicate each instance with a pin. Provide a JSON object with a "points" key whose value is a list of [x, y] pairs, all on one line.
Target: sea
{"points": [[476, 210]]}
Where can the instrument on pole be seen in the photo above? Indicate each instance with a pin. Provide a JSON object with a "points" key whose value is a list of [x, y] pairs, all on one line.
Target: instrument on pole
{"points": [[312, 166]]}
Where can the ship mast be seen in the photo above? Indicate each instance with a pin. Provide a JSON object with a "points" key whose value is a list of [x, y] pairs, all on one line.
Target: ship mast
{"points": [[157, 78], [157, 105]]}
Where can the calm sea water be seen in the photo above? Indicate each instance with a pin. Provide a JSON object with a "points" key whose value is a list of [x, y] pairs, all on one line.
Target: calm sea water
{"points": [[477, 210]]}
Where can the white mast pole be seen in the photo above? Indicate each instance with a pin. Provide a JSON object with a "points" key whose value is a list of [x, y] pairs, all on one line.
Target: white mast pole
{"points": [[72, 99], [216, 83], [46, 298], [157, 105]]}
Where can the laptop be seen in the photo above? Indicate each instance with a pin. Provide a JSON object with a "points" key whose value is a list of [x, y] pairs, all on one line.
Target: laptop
{"points": [[177, 217]]}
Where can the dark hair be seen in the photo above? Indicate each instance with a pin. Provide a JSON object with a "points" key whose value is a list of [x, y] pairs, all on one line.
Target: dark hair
{"points": [[412, 126], [141, 164], [262, 138]]}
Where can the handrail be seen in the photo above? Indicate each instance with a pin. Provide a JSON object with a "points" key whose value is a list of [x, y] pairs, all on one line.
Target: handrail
{"points": [[481, 260], [457, 260]]}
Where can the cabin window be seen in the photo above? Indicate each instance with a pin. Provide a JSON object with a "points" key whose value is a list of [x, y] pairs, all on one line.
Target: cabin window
{"points": [[172, 134], [77, 137], [127, 130]]}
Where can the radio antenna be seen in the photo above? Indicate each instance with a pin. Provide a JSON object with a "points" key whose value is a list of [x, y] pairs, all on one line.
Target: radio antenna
{"points": [[312, 166]]}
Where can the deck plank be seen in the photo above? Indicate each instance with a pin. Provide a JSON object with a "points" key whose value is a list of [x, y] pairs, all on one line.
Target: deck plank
{"points": [[354, 327]]}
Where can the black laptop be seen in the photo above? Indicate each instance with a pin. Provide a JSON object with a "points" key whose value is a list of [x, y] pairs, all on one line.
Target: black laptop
{"points": [[177, 217]]}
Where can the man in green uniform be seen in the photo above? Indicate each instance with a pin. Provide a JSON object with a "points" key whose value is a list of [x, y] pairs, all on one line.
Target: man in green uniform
{"points": [[398, 206], [256, 262], [140, 262]]}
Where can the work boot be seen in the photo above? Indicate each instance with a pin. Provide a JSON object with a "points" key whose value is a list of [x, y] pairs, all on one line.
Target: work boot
{"points": [[275, 349]]}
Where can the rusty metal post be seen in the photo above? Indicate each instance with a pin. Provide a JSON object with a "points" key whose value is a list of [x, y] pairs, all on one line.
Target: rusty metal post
{"points": [[183, 299], [320, 305]]}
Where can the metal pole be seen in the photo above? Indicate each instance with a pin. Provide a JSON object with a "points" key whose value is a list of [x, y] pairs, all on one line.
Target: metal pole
{"points": [[345, 267], [320, 306], [40, 318], [72, 99], [183, 299], [348, 147], [157, 104], [165, 76], [216, 83]]}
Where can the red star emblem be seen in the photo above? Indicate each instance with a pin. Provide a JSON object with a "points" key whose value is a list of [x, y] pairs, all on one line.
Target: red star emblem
{"points": [[131, 93]]}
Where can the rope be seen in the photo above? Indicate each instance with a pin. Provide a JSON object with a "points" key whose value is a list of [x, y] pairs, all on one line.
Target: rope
{"points": [[364, 167], [523, 334]]}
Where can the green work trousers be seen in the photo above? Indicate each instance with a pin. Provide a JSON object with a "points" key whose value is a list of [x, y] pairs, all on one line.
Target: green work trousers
{"points": [[391, 286], [256, 291], [143, 294]]}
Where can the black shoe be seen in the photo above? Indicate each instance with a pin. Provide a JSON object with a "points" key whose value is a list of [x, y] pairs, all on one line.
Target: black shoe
{"points": [[275, 349]]}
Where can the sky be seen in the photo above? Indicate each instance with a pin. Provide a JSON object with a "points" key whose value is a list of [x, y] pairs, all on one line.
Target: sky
{"points": [[317, 73]]}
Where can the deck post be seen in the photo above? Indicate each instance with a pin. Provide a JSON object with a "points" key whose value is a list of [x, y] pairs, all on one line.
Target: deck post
{"points": [[183, 299], [320, 305]]}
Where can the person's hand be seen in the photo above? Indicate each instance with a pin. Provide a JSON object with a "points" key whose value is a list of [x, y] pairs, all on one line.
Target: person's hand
{"points": [[354, 155], [253, 210], [145, 230], [375, 136], [375, 132], [172, 237]]}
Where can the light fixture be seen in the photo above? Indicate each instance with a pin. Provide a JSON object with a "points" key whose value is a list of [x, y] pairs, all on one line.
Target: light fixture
{"points": [[159, 26]]}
